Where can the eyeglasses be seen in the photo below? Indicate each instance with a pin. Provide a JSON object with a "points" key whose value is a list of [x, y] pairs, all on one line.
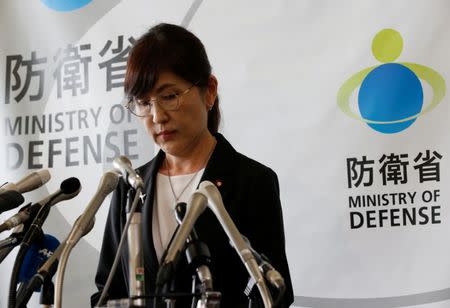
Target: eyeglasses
{"points": [[168, 100]]}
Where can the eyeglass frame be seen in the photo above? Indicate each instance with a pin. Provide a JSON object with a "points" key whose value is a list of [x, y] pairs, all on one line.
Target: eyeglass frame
{"points": [[154, 100]]}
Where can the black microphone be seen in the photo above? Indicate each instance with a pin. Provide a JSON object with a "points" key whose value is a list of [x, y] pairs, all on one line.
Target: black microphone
{"points": [[36, 256], [197, 252], [10, 200], [46, 271], [8, 244], [197, 204], [69, 188], [123, 165], [10, 193], [30, 182]]}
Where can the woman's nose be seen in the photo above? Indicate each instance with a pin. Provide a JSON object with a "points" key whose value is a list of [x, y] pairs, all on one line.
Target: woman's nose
{"points": [[159, 114]]}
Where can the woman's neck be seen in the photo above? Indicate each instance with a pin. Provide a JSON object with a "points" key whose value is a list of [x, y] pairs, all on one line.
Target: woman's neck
{"points": [[194, 161]]}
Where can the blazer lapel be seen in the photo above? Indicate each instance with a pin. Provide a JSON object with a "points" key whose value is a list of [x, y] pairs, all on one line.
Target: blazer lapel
{"points": [[148, 173], [219, 169]]}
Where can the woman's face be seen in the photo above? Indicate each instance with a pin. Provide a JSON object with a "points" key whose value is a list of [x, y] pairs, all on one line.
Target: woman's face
{"points": [[177, 132]]}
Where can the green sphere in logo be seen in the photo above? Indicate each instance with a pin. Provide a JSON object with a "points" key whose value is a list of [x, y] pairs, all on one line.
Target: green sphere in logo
{"points": [[387, 45]]}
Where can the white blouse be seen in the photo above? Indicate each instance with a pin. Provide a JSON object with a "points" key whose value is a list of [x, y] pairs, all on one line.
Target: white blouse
{"points": [[164, 221]]}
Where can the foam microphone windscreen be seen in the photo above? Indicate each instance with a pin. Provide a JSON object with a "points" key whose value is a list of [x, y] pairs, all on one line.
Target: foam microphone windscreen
{"points": [[36, 256], [10, 200]]}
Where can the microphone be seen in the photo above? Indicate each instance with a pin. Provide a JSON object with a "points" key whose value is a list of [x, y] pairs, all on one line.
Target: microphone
{"points": [[180, 212], [10, 200], [269, 272], [21, 217], [108, 183], [85, 221], [9, 243], [69, 188], [46, 267], [215, 203], [36, 256], [197, 204], [46, 271], [123, 165], [133, 232], [30, 182], [136, 277], [197, 252]]}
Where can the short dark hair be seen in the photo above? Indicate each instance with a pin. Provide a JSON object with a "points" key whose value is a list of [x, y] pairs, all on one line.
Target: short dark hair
{"points": [[167, 47]]}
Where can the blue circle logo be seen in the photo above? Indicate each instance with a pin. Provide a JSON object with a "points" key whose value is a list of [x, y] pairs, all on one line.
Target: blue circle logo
{"points": [[390, 92], [390, 97], [65, 5]]}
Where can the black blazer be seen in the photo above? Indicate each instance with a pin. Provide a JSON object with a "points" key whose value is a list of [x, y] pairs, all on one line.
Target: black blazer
{"points": [[250, 193]]}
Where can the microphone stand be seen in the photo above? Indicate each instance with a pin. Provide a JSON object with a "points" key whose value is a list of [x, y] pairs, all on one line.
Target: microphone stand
{"points": [[47, 293], [135, 253]]}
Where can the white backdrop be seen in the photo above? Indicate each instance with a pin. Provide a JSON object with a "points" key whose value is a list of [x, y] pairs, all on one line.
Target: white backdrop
{"points": [[280, 66]]}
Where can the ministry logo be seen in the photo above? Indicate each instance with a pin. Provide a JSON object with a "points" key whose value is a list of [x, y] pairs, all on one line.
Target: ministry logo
{"points": [[65, 5], [390, 96]]}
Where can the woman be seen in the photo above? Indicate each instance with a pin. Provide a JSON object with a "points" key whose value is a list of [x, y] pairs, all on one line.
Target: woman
{"points": [[171, 88]]}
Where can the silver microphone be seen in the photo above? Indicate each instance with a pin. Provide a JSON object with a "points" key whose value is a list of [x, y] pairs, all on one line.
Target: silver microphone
{"points": [[123, 165], [45, 268], [30, 182], [136, 277], [108, 183], [215, 203], [83, 225]]}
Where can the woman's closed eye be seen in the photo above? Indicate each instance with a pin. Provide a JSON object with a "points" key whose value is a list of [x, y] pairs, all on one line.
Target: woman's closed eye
{"points": [[167, 97], [144, 102]]}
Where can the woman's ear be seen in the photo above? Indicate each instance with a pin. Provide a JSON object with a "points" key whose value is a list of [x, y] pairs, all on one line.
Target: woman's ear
{"points": [[211, 92]]}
